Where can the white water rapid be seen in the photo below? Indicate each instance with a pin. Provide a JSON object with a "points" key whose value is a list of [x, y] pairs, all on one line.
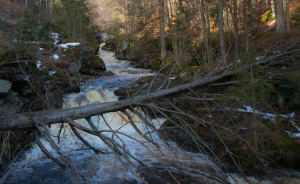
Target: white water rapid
{"points": [[35, 167]]}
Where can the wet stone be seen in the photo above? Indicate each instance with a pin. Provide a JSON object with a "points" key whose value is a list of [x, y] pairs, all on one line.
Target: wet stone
{"points": [[5, 86]]}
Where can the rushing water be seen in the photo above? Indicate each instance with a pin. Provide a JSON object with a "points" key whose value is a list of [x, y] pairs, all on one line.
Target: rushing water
{"points": [[35, 167]]}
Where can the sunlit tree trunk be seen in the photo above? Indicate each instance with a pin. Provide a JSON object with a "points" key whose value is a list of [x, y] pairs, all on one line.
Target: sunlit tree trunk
{"points": [[273, 9], [221, 32]]}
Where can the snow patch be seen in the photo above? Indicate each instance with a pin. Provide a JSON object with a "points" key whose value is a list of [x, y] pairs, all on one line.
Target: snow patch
{"points": [[265, 115], [258, 58], [51, 73], [39, 64], [67, 45], [55, 37], [55, 57]]}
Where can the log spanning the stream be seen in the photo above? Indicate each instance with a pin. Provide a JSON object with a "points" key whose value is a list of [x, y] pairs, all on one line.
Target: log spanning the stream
{"points": [[29, 120]]}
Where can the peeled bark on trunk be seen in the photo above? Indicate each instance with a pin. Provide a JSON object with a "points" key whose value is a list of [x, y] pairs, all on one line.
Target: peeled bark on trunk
{"points": [[221, 32], [162, 29]]}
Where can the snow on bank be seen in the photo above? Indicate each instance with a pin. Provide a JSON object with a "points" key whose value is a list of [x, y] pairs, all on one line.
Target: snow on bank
{"points": [[55, 37], [67, 45], [265, 115], [272, 117]]}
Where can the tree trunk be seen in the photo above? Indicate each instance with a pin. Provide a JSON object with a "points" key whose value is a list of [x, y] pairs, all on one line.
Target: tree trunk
{"points": [[29, 120], [236, 27], [246, 25], [286, 13], [273, 9], [267, 4], [169, 16], [205, 32], [221, 32], [162, 29], [280, 18], [254, 24], [208, 30]]}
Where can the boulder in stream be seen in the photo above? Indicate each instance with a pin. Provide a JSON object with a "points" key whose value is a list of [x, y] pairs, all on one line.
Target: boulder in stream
{"points": [[87, 63]]}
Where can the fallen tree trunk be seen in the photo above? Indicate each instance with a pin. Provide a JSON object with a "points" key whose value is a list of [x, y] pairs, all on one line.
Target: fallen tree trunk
{"points": [[29, 120]]}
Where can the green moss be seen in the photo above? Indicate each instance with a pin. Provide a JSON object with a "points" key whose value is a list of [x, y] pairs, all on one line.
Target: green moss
{"points": [[267, 16], [3, 117]]}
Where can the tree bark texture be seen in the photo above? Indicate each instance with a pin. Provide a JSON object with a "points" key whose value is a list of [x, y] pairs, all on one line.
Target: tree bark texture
{"points": [[280, 17], [162, 29], [221, 32], [245, 10]]}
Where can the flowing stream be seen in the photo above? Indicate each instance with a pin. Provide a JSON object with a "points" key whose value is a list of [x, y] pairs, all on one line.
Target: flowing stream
{"points": [[35, 167]]}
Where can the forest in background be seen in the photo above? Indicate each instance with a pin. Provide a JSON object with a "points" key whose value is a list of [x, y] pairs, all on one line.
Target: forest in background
{"points": [[253, 115]]}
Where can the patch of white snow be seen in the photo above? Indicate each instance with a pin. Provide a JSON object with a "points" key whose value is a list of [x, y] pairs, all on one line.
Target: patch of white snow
{"points": [[67, 45], [39, 64], [51, 73], [258, 58], [55, 37], [55, 57]]}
